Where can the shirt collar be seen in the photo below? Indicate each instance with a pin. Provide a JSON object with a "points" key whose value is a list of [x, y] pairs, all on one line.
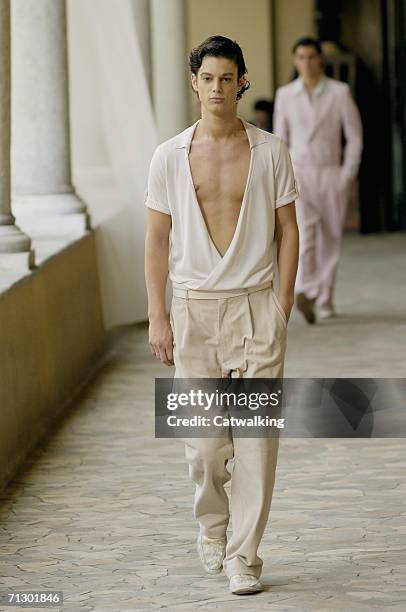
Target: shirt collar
{"points": [[318, 90], [255, 135]]}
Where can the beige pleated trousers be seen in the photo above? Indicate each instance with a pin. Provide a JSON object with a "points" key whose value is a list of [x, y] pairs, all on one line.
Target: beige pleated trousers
{"points": [[228, 335]]}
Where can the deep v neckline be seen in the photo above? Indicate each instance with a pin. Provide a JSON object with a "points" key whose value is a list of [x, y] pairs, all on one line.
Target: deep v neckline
{"points": [[243, 201]]}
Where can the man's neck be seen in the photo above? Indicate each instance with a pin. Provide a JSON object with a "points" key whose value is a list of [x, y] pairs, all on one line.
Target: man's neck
{"points": [[214, 127], [311, 82]]}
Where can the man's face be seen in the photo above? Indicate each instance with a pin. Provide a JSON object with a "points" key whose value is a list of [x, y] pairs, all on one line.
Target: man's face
{"points": [[217, 84], [308, 62]]}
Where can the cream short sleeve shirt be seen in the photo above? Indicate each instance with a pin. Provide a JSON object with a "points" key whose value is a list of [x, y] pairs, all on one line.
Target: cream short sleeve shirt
{"points": [[194, 261]]}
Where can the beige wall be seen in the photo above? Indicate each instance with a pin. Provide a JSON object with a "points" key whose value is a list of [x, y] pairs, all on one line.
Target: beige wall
{"points": [[292, 20], [247, 22]]}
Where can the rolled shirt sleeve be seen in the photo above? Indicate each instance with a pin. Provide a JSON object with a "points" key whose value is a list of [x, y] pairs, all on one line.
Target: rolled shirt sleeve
{"points": [[285, 183], [156, 192]]}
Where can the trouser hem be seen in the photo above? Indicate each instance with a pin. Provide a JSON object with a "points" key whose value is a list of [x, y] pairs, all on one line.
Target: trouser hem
{"points": [[237, 566], [213, 533]]}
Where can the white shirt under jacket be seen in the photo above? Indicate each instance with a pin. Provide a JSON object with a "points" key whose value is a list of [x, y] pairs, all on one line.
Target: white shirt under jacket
{"points": [[194, 261]]}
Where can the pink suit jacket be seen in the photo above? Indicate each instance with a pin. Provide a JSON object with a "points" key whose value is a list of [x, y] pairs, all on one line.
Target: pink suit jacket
{"points": [[312, 129]]}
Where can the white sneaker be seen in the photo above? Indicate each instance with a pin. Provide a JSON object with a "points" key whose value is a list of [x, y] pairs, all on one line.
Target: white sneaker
{"points": [[242, 584], [326, 313], [211, 552]]}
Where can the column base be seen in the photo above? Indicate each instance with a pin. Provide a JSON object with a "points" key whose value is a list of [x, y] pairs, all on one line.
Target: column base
{"points": [[51, 215], [15, 250], [17, 262]]}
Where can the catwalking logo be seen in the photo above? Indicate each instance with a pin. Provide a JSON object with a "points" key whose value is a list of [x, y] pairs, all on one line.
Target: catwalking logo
{"points": [[218, 404]]}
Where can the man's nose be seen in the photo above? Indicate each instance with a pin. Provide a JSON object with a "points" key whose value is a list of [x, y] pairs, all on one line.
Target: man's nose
{"points": [[216, 85]]}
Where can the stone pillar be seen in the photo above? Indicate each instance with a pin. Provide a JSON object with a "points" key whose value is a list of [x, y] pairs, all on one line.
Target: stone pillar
{"points": [[44, 201], [170, 82], [15, 246]]}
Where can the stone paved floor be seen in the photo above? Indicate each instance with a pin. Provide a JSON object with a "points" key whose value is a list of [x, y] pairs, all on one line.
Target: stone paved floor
{"points": [[103, 509]]}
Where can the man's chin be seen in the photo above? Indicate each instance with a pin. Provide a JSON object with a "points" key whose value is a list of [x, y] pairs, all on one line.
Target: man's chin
{"points": [[217, 109]]}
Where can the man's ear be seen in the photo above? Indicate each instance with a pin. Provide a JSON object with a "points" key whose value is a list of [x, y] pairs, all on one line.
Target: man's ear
{"points": [[242, 81], [193, 79]]}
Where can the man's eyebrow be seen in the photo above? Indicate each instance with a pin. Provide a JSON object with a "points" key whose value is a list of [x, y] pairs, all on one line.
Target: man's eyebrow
{"points": [[224, 74]]}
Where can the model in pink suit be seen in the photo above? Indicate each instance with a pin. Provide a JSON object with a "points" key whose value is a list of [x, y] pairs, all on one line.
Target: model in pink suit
{"points": [[311, 114]]}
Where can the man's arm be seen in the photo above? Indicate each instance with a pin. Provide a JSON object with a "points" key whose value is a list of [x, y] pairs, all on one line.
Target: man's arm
{"points": [[156, 274], [280, 125], [287, 243], [352, 128]]}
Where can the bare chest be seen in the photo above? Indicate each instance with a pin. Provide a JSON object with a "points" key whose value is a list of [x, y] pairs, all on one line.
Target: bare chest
{"points": [[220, 172], [220, 175]]}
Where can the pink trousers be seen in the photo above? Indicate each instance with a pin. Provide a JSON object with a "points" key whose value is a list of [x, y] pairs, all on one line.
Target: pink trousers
{"points": [[320, 210]]}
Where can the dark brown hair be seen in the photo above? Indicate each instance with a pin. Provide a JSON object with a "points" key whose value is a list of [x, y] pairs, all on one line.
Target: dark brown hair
{"points": [[306, 41]]}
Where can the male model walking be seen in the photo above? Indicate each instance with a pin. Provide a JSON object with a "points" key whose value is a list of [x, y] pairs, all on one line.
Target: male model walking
{"points": [[310, 114], [222, 189]]}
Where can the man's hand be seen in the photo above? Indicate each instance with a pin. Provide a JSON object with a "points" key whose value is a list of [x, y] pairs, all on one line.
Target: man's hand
{"points": [[344, 178], [161, 339], [286, 301]]}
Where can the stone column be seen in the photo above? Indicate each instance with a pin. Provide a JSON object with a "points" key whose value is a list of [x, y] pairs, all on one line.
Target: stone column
{"points": [[15, 246], [44, 201], [170, 82]]}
